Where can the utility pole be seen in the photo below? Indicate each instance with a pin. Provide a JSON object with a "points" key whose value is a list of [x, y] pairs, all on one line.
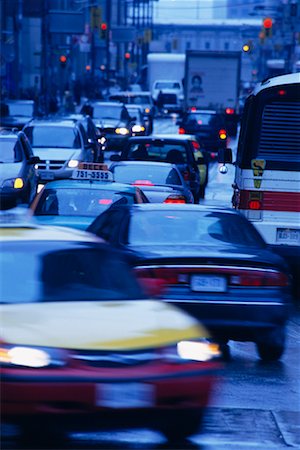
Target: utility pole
{"points": [[107, 43]]}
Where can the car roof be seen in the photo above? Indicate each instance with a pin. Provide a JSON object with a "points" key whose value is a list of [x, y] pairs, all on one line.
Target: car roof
{"points": [[87, 184], [145, 163], [8, 134], [132, 93], [202, 111], [70, 123], [21, 101], [117, 104], [169, 137], [183, 207]]}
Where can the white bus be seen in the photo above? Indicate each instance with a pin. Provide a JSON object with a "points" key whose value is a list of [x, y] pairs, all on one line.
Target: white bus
{"points": [[267, 176]]}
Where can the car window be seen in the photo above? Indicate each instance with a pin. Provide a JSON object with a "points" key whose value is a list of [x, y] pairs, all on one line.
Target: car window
{"points": [[53, 136], [147, 174], [78, 202], [157, 152], [107, 112], [209, 228], [11, 151], [167, 85], [21, 109], [59, 271]]}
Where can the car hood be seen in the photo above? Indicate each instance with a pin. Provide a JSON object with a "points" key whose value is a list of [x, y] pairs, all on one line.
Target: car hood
{"points": [[236, 255], [97, 325], [78, 222], [9, 171], [109, 123], [56, 154]]}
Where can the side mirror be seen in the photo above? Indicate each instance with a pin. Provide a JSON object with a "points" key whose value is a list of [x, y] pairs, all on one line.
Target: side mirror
{"points": [[34, 160], [225, 155], [115, 158]]}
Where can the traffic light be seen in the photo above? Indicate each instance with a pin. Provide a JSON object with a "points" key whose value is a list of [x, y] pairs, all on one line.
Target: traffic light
{"points": [[103, 30], [247, 47], [127, 56], [267, 25], [63, 61]]}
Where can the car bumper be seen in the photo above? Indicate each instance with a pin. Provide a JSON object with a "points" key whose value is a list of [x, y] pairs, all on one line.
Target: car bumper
{"points": [[236, 317], [73, 393], [10, 196]]}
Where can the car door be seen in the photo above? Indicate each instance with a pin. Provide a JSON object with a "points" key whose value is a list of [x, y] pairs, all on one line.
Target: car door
{"points": [[30, 173]]}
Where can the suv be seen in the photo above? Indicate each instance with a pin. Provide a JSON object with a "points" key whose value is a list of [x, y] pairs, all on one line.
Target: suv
{"points": [[207, 125], [60, 145], [16, 113], [184, 151], [18, 177]]}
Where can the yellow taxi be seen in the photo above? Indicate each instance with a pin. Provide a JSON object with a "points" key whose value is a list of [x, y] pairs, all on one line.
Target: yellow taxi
{"points": [[81, 342]]}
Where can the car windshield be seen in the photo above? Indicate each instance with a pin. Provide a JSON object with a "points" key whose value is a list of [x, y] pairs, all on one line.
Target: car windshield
{"points": [[208, 228], [53, 136], [10, 151], [107, 112], [167, 85], [21, 109], [79, 202], [60, 271], [145, 174], [158, 151]]}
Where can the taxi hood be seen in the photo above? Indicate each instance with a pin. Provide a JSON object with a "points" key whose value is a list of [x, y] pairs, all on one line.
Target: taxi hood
{"points": [[57, 154], [93, 325]]}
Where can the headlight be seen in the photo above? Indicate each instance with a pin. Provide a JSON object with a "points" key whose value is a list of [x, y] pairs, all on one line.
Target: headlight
{"points": [[31, 356], [137, 129], [16, 183], [147, 110], [203, 350], [73, 163], [123, 131]]}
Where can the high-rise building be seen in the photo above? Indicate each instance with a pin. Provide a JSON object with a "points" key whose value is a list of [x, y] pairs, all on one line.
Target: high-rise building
{"points": [[250, 8]]}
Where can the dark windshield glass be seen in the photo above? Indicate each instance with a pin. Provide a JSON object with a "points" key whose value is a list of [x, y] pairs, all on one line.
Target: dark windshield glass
{"points": [[10, 151], [208, 228], [150, 175], [53, 136], [57, 271], [78, 202], [107, 112]]}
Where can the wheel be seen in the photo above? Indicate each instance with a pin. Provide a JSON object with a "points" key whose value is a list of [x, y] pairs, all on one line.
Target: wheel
{"points": [[272, 347], [179, 425]]}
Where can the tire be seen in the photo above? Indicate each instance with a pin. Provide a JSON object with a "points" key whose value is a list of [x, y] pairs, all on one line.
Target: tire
{"points": [[179, 425], [273, 346]]}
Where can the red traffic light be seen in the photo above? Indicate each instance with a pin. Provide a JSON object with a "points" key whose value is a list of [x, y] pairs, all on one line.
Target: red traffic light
{"points": [[63, 59], [268, 22], [103, 26], [127, 55]]}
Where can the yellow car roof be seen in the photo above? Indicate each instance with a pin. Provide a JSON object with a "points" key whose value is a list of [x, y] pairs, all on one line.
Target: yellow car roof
{"points": [[45, 233]]}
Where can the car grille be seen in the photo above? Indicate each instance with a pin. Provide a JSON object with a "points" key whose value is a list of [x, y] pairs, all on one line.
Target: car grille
{"points": [[117, 359], [50, 164], [107, 130]]}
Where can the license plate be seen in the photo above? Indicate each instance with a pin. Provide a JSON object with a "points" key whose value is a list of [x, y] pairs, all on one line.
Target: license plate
{"points": [[288, 236], [45, 175], [101, 175], [208, 283], [125, 395]]}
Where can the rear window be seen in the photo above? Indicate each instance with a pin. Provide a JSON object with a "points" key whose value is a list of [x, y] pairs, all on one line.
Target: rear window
{"points": [[148, 175], [163, 152], [78, 202], [280, 131], [11, 151]]}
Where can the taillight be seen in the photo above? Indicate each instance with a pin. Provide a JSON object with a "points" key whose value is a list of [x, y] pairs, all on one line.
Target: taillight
{"points": [[196, 145], [250, 200], [186, 175], [175, 199], [257, 278], [222, 134], [168, 275], [105, 201], [181, 130], [229, 111]]}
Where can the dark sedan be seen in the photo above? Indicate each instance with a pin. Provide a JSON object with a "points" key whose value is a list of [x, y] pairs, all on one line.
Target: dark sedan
{"points": [[18, 177], [215, 265]]}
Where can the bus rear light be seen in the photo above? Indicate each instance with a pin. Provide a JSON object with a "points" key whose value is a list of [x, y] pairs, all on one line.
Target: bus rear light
{"points": [[281, 92], [181, 130], [255, 204], [222, 134]]}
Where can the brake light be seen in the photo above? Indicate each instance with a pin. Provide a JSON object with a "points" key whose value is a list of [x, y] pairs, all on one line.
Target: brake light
{"points": [[257, 278], [181, 130], [142, 183], [255, 204], [186, 175], [193, 109], [196, 145], [222, 134], [175, 199], [168, 275], [250, 200], [282, 92], [105, 201], [229, 111]]}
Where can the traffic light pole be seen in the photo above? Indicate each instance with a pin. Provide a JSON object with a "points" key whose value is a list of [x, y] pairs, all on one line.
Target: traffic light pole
{"points": [[107, 43]]}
